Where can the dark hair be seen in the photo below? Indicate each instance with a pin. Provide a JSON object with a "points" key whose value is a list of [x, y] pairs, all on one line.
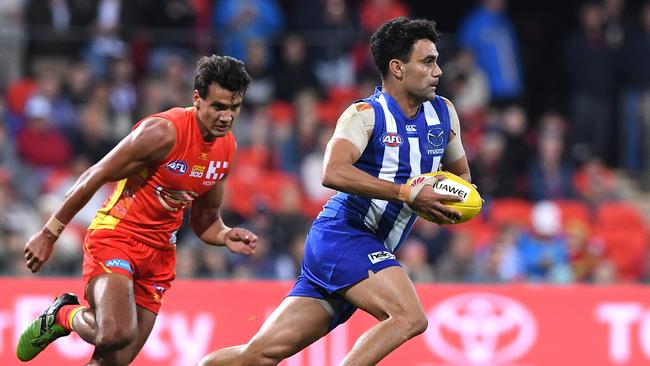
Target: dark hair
{"points": [[226, 71], [395, 39]]}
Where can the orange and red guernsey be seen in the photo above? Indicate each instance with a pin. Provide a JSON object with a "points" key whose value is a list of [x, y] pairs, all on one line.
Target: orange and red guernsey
{"points": [[149, 205]]}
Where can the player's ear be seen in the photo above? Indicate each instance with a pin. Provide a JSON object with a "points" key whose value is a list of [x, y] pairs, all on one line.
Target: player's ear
{"points": [[196, 97], [396, 68]]}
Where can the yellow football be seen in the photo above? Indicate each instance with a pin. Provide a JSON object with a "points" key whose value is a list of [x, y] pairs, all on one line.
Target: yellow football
{"points": [[469, 207]]}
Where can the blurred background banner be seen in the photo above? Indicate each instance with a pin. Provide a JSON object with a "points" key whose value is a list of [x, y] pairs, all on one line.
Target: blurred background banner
{"points": [[468, 325]]}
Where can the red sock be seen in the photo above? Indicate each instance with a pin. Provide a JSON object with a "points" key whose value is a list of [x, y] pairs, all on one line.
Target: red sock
{"points": [[66, 314]]}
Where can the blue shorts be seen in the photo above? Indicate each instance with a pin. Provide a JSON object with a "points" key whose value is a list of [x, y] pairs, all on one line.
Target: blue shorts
{"points": [[338, 254]]}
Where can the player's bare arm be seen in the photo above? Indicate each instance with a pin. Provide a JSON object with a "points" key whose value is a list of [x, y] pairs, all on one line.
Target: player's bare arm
{"points": [[146, 145], [455, 160], [339, 172], [206, 222]]}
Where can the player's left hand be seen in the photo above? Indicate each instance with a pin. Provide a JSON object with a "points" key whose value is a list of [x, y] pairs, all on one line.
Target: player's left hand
{"points": [[241, 241]]}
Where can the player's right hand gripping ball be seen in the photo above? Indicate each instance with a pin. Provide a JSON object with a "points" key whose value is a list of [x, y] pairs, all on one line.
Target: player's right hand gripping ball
{"points": [[469, 207]]}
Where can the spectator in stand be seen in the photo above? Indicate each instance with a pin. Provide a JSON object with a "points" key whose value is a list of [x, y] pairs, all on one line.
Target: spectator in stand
{"points": [[499, 261], [41, 147], [331, 28], [287, 221], [467, 84], [293, 72], [164, 91], [544, 250], [9, 163], [605, 273], [100, 104], [16, 216], [176, 77], [12, 169], [78, 84], [488, 170], [514, 123], [311, 167], [55, 29], [153, 97], [169, 30], [489, 33], [585, 252], [260, 264], [238, 21], [550, 175], [12, 40], [288, 265], [591, 98], [253, 131], [374, 13], [214, 263], [92, 140], [595, 183], [435, 237], [40, 144], [413, 258], [303, 137], [635, 100], [17, 219], [553, 123], [457, 264], [261, 89], [62, 114], [123, 97], [111, 31], [616, 24], [187, 262]]}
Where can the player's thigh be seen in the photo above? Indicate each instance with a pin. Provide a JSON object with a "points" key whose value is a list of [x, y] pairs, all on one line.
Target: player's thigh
{"points": [[111, 296], [294, 325], [146, 321], [386, 293]]}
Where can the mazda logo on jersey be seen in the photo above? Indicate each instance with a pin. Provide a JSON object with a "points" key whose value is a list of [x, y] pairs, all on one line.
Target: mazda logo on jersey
{"points": [[391, 139], [436, 136]]}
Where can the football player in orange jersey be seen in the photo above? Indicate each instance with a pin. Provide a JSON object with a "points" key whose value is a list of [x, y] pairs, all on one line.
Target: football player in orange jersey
{"points": [[172, 160]]}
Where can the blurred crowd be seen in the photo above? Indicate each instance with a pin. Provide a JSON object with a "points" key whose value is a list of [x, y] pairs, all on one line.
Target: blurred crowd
{"points": [[549, 125]]}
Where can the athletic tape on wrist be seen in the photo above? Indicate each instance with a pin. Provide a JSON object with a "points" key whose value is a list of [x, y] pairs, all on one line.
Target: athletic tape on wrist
{"points": [[405, 193], [54, 226], [408, 193], [221, 236]]}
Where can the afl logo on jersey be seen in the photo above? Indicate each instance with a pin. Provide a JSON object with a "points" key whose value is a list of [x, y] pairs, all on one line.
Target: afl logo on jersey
{"points": [[391, 139], [177, 167], [436, 136]]}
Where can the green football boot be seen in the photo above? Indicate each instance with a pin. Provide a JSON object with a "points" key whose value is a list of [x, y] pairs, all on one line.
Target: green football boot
{"points": [[42, 331]]}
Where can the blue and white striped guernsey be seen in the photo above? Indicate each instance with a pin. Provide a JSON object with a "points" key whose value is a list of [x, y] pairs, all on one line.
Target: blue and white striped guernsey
{"points": [[399, 148]]}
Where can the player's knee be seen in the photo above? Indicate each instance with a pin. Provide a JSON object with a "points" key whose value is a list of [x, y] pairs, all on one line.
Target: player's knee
{"points": [[413, 323], [419, 324], [114, 338]]}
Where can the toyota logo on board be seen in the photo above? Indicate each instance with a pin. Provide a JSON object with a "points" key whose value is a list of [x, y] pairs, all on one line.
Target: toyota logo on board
{"points": [[480, 329]]}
